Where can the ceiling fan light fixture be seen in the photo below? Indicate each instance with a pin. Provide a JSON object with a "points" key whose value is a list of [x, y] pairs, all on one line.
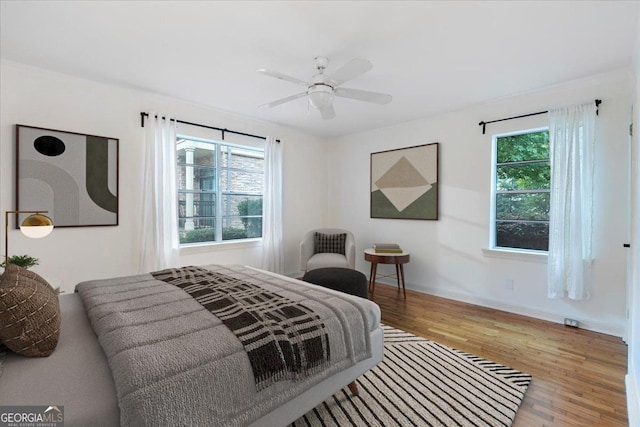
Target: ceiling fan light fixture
{"points": [[322, 87], [321, 96]]}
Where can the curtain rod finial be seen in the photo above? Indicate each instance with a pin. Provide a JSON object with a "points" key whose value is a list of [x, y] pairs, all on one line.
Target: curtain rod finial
{"points": [[484, 126]]}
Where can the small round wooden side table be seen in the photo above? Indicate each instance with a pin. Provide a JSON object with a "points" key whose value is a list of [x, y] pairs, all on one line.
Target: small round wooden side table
{"points": [[375, 258]]}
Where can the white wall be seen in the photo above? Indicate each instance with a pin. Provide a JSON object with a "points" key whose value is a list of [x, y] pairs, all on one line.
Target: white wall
{"points": [[633, 321], [446, 255], [45, 99]]}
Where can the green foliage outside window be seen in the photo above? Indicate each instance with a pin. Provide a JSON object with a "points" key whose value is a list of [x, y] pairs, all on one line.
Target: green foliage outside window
{"points": [[248, 208], [523, 177], [527, 146], [523, 162], [209, 234], [520, 235], [251, 226], [198, 235], [522, 206]]}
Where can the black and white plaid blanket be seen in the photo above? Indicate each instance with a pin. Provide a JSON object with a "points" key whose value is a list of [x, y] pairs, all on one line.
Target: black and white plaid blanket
{"points": [[172, 359], [283, 339]]}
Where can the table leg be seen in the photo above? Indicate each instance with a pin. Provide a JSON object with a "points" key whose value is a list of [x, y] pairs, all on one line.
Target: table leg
{"points": [[372, 277], [398, 274], [353, 386], [404, 290]]}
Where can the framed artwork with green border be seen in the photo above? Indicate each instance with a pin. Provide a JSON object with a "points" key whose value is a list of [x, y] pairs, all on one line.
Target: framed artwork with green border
{"points": [[71, 175], [404, 183]]}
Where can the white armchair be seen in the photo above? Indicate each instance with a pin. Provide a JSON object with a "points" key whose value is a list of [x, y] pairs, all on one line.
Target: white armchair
{"points": [[310, 259]]}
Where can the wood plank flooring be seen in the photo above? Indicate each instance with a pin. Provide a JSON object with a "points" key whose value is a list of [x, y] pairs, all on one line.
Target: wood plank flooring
{"points": [[578, 375]]}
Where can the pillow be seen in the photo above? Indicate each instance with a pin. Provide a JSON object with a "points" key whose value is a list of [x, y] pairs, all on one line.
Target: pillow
{"points": [[29, 313], [329, 243]]}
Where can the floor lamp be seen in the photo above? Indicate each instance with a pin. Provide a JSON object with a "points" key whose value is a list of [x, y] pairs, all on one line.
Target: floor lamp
{"points": [[34, 226]]}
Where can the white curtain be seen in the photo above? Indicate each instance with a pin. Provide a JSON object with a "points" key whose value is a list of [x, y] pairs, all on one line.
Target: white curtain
{"points": [[572, 141], [159, 222], [272, 256]]}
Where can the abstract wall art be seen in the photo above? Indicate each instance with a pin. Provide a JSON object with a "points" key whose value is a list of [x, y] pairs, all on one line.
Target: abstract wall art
{"points": [[404, 183], [73, 176]]}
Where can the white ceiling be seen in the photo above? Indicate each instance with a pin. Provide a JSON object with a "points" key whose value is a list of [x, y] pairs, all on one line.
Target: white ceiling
{"points": [[431, 56]]}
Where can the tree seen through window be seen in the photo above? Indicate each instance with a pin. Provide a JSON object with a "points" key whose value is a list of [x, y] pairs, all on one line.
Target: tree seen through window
{"points": [[522, 190]]}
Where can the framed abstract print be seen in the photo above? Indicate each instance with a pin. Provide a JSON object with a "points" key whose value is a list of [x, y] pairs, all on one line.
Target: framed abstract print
{"points": [[404, 183], [71, 175]]}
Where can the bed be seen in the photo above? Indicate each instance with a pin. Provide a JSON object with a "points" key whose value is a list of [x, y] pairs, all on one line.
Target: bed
{"points": [[141, 370]]}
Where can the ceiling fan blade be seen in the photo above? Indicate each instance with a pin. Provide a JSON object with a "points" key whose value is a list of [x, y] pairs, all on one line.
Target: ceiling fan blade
{"points": [[350, 70], [328, 112], [281, 76], [363, 95], [283, 100]]}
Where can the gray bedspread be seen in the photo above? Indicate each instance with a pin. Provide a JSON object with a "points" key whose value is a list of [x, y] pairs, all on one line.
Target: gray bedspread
{"points": [[175, 363]]}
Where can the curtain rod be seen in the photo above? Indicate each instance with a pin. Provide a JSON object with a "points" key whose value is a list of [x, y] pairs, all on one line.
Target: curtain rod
{"points": [[143, 115], [484, 124]]}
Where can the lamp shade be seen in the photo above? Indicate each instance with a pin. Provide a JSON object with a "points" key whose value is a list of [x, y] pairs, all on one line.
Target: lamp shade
{"points": [[36, 226]]}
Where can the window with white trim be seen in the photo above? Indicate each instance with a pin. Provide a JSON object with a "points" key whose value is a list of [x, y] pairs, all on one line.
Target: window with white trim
{"points": [[220, 189], [521, 191]]}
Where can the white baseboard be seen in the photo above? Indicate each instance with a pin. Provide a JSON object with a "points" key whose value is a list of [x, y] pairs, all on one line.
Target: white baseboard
{"points": [[633, 399], [588, 324]]}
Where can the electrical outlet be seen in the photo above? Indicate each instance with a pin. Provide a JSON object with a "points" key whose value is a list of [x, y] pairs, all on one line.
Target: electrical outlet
{"points": [[571, 322], [508, 284]]}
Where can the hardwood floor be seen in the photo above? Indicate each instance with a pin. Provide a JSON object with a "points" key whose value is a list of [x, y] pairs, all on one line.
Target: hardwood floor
{"points": [[578, 375]]}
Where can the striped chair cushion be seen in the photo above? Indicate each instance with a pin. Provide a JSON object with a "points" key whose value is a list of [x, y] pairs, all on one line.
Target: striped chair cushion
{"points": [[329, 243]]}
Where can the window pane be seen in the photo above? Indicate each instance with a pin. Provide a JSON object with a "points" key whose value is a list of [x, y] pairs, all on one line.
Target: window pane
{"points": [[194, 230], [530, 176], [233, 229], [242, 181], [529, 146], [196, 205], [522, 184], [198, 235], [219, 188], [196, 178], [243, 216], [238, 158], [534, 236], [523, 206], [205, 156], [196, 156], [196, 217]]}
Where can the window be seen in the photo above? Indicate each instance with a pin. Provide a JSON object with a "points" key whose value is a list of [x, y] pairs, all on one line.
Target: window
{"points": [[521, 191], [220, 188]]}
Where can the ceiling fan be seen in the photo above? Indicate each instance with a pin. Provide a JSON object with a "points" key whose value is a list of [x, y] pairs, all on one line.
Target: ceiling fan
{"points": [[322, 88]]}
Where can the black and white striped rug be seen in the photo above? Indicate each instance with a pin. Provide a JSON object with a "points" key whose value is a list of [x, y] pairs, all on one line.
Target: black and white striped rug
{"points": [[423, 383]]}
